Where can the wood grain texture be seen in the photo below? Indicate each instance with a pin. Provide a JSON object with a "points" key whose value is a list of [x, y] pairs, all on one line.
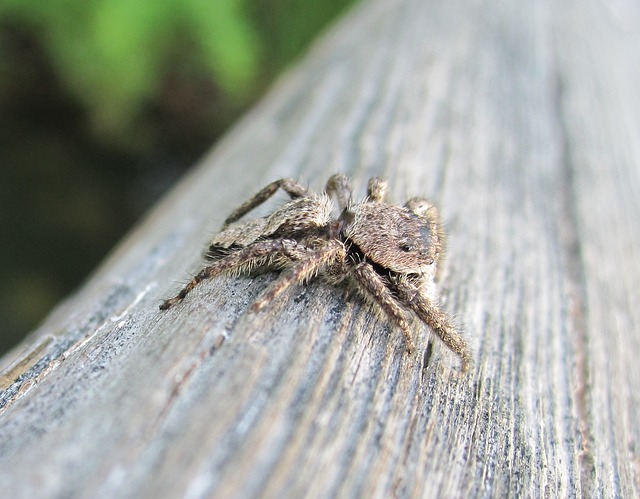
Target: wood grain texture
{"points": [[522, 122]]}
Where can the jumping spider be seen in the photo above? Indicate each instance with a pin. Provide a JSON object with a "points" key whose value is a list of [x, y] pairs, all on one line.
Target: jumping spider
{"points": [[389, 252]]}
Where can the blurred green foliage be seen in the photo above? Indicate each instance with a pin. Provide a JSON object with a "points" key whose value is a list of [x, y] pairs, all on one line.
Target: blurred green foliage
{"points": [[103, 104], [112, 54], [287, 26]]}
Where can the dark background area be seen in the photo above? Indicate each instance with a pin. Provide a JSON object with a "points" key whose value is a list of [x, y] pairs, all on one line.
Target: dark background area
{"points": [[103, 106]]}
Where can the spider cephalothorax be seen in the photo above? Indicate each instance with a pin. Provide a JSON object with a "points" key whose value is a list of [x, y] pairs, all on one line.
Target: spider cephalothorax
{"points": [[389, 252]]}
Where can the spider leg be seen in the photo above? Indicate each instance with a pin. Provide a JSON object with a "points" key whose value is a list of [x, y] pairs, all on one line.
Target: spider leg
{"points": [[376, 190], [383, 297], [291, 187], [435, 318], [242, 259], [307, 264], [338, 185], [423, 208]]}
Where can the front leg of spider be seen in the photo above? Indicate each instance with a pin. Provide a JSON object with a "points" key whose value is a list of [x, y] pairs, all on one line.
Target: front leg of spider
{"points": [[439, 322], [372, 283]]}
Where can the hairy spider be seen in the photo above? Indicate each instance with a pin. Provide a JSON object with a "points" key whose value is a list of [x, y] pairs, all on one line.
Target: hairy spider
{"points": [[389, 252]]}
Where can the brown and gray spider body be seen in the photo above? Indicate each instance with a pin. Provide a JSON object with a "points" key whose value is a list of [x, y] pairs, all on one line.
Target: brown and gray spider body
{"points": [[389, 252]]}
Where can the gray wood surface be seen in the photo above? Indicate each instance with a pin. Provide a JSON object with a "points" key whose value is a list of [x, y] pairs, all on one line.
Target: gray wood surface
{"points": [[522, 121]]}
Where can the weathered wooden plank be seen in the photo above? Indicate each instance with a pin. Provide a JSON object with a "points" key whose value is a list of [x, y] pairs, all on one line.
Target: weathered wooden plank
{"points": [[521, 121]]}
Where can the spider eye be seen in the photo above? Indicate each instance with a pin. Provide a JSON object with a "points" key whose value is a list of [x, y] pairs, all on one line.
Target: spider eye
{"points": [[406, 247]]}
